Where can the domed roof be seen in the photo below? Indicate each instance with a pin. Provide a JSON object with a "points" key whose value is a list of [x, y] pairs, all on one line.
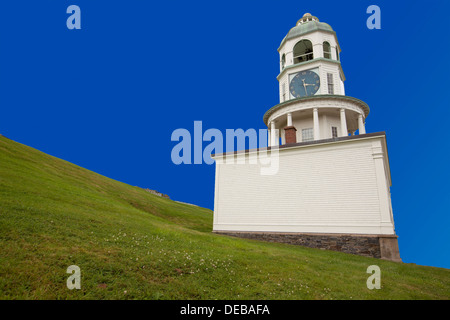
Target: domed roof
{"points": [[307, 27], [307, 24]]}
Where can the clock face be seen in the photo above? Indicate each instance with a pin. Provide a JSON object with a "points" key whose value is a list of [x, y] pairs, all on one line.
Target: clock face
{"points": [[304, 83]]}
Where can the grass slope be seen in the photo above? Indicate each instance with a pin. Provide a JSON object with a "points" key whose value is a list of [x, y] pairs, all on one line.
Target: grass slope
{"points": [[130, 244]]}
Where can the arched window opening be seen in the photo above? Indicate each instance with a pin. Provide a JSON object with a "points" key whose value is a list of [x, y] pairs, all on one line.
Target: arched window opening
{"points": [[337, 54], [303, 51], [283, 61], [326, 50]]}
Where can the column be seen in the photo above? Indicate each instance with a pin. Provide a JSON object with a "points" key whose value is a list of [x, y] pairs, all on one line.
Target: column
{"points": [[273, 135], [361, 126], [269, 137], [316, 124], [344, 131], [289, 119]]}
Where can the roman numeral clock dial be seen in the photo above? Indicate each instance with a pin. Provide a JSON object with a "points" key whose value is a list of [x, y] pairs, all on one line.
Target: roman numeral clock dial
{"points": [[304, 83]]}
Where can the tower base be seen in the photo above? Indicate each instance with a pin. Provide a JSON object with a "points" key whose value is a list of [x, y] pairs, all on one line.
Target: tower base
{"points": [[377, 246]]}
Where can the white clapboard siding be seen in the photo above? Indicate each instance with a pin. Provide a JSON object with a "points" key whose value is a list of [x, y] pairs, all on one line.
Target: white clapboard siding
{"points": [[333, 187]]}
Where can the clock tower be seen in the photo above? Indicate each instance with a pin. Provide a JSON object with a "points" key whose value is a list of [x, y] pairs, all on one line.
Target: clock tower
{"points": [[330, 183], [313, 104]]}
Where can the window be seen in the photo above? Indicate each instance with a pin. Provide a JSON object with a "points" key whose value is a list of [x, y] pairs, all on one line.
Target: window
{"points": [[303, 51], [283, 88], [326, 50], [337, 54], [307, 135], [283, 61], [330, 83], [334, 132]]}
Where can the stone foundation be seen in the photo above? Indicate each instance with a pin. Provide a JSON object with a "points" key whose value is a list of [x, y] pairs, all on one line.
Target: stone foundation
{"points": [[376, 246]]}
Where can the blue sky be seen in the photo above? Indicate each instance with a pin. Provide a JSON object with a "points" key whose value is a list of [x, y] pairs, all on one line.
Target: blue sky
{"points": [[108, 97]]}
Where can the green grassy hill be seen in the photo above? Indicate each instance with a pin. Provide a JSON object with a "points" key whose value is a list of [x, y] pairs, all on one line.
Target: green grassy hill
{"points": [[131, 244]]}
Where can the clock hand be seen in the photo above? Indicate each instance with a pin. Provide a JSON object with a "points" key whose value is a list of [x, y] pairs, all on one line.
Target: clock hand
{"points": [[304, 86]]}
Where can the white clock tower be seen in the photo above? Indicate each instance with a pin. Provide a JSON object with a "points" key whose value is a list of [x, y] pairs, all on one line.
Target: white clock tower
{"points": [[313, 104], [331, 186]]}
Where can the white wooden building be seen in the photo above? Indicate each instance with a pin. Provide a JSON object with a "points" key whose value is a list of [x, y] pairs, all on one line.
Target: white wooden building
{"points": [[331, 189]]}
